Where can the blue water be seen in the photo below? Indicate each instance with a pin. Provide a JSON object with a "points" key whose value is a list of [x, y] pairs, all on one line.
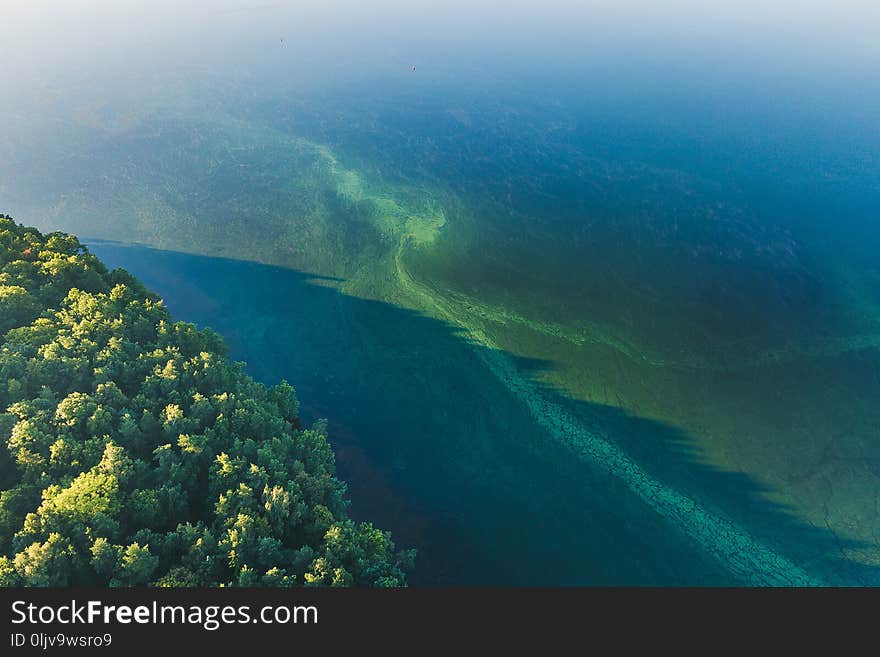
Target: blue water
{"points": [[662, 220], [439, 452], [433, 447]]}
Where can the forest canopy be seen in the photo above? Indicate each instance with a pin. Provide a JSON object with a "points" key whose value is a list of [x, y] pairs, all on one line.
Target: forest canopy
{"points": [[134, 452]]}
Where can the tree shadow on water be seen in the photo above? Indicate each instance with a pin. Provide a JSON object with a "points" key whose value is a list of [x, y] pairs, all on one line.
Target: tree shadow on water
{"points": [[436, 449]]}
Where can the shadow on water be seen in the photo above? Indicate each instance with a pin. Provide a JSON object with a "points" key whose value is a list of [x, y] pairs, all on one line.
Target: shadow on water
{"points": [[437, 450]]}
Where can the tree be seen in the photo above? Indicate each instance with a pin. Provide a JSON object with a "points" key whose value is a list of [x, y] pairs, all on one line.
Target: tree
{"points": [[134, 452]]}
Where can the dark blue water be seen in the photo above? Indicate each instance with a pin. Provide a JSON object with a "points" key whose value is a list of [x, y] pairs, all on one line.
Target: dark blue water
{"points": [[432, 445], [437, 450]]}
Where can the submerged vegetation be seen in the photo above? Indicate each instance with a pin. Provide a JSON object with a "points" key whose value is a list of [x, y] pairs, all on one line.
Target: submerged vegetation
{"points": [[135, 453], [660, 329]]}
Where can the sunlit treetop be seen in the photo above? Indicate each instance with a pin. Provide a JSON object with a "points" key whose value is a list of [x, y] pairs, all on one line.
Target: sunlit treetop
{"points": [[134, 452]]}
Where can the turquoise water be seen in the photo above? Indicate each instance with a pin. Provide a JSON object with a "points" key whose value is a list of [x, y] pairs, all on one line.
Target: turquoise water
{"points": [[591, 296], [439, 452], [434, 448]]}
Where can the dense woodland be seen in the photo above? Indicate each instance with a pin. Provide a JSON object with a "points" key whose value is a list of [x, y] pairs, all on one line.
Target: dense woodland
{"points": [[135, 453]]}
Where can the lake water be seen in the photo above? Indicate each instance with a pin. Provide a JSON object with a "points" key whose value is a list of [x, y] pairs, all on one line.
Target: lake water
{"points": [[438, 451], [433, 447], [588, 292]]}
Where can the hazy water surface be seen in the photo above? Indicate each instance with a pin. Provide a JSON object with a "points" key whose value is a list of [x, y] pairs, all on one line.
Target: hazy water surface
{"points": [[589, 291]]}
